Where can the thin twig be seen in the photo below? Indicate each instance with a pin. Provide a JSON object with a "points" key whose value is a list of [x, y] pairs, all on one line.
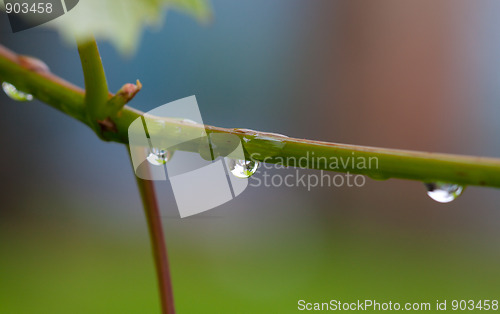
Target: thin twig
{"points": [[151, 209]]}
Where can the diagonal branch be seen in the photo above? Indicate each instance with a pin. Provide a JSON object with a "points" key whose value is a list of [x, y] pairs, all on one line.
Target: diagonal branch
{"points": [[392, 163]]}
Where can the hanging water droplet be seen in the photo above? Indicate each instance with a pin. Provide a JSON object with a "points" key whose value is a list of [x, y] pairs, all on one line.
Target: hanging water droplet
{"points": [[158, 156], [14, 93], [274, 142], [241, 168], [443, 192]]}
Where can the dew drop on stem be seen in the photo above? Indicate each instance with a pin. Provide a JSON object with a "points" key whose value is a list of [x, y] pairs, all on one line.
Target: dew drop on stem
{"points": [[159, 156], [14, 93], [443, 192], [243, 169]]}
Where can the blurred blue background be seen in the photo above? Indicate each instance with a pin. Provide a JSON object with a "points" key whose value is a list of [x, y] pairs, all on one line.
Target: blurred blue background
{"points": [[419, 75]]}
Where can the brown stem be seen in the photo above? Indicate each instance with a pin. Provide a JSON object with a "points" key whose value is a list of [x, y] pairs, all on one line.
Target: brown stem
{"points": [[159, 248]]}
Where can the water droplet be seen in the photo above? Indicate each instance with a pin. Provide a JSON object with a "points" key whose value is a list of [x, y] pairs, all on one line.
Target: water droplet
{"points": [[261, 135], [14, 93], [158, 156], [443, 192], [267, 135], [274, 142], [243, 169]]}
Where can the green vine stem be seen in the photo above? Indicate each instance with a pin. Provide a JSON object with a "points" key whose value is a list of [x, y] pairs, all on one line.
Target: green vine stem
{"points": [[100, 112], [96, 86], [392, 163], [152, 211], [99, 116]]}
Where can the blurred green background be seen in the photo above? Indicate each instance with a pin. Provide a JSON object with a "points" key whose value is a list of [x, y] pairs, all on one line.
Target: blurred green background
{"points": [[420, 75]]}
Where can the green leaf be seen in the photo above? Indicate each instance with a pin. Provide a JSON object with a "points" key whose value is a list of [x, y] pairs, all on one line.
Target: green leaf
{"points": [[122, 21]]}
